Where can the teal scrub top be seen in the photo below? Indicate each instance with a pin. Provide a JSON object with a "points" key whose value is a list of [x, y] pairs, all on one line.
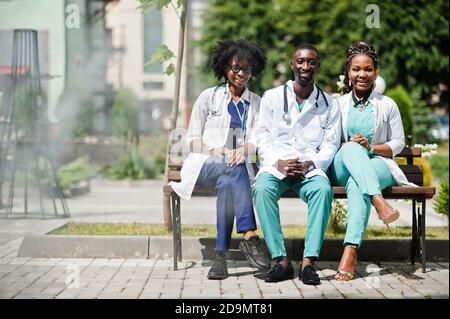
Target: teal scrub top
{"points": [[361, 120], [301, 105]]}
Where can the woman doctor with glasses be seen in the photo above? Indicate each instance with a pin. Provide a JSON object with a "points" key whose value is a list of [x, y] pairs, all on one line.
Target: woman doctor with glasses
{"points": [[221, 139]]}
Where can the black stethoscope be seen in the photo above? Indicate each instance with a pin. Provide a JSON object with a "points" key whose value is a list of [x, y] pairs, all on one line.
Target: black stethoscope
{"points": [[287, 117]]}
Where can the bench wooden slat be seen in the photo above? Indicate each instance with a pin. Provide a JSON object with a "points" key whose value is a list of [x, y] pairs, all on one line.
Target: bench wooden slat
{"points": [[174, 176], [339, 192], [411, 169], [413, 173], [414, 178], [410, 152]]}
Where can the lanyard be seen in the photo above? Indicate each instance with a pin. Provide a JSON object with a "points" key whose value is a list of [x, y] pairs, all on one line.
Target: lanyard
{"points": [[243, 119]]}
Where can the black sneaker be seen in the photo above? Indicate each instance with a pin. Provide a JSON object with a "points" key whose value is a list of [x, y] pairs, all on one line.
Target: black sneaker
{"points": [[255, 253], [309, 276], [277, 273], [219, 268]]}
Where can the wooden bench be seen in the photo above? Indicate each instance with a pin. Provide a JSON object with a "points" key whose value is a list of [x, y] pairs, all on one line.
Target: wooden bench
{"points": [[418, 195]]}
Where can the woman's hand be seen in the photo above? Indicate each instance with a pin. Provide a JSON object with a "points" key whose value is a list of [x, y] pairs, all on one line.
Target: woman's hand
{"points": [[361, 140], [236, 156], [218, 151]]}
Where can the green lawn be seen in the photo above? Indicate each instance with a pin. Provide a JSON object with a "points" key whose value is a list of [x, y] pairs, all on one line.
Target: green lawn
{"points": [[291, 231]]}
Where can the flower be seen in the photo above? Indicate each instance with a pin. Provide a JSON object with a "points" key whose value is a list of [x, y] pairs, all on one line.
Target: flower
{"points": [[340, 84], [428, 150]]}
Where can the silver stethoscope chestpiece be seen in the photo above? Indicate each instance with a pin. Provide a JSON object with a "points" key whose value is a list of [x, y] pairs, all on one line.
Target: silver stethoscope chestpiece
{"points": [[286, 117]]}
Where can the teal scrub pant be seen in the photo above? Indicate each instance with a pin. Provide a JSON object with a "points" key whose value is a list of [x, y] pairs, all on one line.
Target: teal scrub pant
{"points": [[316, 191], [362, 176]]}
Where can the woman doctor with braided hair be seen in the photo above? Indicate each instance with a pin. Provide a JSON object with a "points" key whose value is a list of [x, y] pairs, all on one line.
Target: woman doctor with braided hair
{"points": [[372, 134]]}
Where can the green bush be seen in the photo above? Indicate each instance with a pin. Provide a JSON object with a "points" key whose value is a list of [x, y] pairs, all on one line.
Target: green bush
{"points": [[405, 105], [132, 165], [336, 224], [76, 171], [157, 150], [441, 203], [439, 166], [125, 116], [423, 123]]}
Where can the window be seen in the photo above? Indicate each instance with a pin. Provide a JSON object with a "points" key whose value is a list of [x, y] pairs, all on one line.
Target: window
{"points": [[153, 85], [152, 38]]}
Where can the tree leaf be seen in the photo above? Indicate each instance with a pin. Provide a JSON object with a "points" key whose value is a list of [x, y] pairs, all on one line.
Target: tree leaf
{"points": [[180, 3], [170, 69], [161, 55], [152, 4]]}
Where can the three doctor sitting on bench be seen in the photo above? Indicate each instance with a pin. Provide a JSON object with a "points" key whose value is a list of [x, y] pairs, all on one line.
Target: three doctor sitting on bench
{"points": [[297, 129]]}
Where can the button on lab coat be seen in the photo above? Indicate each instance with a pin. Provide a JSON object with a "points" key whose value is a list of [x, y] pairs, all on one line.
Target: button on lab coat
{"points": [[210, 123], [312, 134]]}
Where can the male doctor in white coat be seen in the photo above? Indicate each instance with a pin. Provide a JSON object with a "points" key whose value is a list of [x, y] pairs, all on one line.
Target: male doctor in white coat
{"points": [[298, 134]]}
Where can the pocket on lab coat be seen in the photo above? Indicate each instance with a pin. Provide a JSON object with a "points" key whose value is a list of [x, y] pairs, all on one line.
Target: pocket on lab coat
{"points": [[312, 132], [283, 131]]}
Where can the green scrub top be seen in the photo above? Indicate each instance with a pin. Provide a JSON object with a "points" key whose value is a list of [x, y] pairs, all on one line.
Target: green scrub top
{"points": [[301, 105], [361, 120]]}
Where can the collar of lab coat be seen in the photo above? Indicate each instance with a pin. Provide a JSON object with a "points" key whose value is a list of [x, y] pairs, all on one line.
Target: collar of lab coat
{"points": [[311, 98], [245, 96]]}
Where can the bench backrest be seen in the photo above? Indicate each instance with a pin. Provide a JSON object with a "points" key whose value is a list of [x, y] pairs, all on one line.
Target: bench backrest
{"points": [[413, 172]]}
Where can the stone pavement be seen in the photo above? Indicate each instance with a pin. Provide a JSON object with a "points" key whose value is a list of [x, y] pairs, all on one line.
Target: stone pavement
{"points": [[154, 278]]}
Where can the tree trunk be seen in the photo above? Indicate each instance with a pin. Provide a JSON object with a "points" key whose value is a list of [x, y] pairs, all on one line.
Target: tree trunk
{"points": [[174, 113]]}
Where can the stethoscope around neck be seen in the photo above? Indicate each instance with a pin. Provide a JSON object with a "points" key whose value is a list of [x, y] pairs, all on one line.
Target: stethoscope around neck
{"points": [[242, 117], [287, 117]]}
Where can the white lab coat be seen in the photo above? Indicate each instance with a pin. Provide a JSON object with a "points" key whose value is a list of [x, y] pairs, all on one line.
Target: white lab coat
{"points": [[388, 129], [312, 134], [210, 122]]}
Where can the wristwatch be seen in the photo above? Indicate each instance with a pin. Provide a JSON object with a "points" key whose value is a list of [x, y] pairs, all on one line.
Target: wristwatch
{"points": [[311, 166]]}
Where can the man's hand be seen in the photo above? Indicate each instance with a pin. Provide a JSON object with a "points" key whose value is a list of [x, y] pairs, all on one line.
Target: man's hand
{"points": [[235, 157], [283, 165], [298, 169], [293, 168], [361, 140]]}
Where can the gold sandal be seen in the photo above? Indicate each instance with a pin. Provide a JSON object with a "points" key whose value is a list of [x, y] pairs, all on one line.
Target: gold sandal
{"points": [[347, 275], [390, 217]]}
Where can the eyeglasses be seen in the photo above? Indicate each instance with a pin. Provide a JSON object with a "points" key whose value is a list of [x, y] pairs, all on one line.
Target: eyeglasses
{"points": [[236, 68]]}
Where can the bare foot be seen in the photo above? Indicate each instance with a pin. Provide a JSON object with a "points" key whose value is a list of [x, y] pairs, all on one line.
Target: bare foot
{"points": [[347, 264], [385, 211]]}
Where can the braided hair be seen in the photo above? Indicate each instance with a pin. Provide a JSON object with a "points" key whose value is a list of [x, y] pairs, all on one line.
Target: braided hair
{"points": [[359, 47]]}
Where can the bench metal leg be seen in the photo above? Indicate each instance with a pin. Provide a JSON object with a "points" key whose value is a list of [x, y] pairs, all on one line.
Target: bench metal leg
{"points": [[414, 234], [178, 225], [176, 230], [422, 234]]}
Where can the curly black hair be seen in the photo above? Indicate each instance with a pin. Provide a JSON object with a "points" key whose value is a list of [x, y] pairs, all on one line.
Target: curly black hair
{"points": [[359, 47], [242, 49]]}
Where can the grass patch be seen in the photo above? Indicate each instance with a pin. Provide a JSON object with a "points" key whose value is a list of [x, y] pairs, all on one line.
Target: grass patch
{"points": [[290, 231]]}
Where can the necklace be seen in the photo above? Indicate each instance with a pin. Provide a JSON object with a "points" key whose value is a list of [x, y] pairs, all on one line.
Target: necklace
{"points": [[361, 105]]}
